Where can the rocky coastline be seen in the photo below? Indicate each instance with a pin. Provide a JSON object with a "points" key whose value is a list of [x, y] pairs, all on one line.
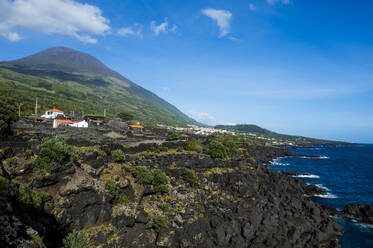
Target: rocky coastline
{"points": [[197, 201]]}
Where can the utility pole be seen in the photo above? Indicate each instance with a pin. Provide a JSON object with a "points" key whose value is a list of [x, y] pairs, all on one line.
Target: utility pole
{"points": [[19, 109], [36, 106], [104, 112]]}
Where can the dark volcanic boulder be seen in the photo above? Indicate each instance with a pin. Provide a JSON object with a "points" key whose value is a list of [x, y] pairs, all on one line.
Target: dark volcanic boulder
{"points": [[312, 190], [362, 212]]}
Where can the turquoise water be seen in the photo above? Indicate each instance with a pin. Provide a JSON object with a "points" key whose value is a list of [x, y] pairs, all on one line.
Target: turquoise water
{"points": [[347, 175]]}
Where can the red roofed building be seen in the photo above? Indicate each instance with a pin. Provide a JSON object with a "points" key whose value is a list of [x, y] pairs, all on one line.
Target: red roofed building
{"points": [[57, 123], [136, 128], [52, 113]]}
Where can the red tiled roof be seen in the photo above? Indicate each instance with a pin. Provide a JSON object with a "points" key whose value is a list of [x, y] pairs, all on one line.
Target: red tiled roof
{"points": [[65, 121], [136, 126], [55, 110]]}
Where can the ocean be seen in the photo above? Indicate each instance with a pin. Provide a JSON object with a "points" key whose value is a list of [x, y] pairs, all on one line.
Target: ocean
{"points": [[346, 173]]}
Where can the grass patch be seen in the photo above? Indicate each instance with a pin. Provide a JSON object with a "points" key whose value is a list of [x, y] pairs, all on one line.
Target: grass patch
{"points": [[166, 207], [111, 186], [190, 177], [160, 222], [123, 200], [76, 239]]}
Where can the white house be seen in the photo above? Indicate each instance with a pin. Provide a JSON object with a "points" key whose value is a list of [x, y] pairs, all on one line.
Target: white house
{"points": [[52, 113], [82, 123], [57, 123]]}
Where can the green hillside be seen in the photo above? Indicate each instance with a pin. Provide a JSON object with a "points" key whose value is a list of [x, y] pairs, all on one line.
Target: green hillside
{"points": [[74, 81], [258, 131]]}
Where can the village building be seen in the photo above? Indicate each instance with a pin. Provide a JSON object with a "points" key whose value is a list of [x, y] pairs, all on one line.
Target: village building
{"points": [[52, 113], [58, 123], [96, 122], [117, 123], [136, 128]]}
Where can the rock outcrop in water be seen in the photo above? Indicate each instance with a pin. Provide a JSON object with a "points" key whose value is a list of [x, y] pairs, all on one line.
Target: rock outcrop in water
{"points": [[360, 212], [167, 199]]}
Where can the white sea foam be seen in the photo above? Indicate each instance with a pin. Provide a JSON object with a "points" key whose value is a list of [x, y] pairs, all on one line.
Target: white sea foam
{"points": [[364, 226], [307, 176], [328, 195], [319, 157], [280, 164], [322, 186], [324, 157]]}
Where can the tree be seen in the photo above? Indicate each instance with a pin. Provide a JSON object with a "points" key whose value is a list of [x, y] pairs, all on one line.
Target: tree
{"points": [[216, 149], [173, 136], [125, 116], [8, 115]]}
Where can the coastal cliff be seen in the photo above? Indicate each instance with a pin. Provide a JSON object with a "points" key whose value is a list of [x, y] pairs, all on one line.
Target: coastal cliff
{"points": [[120, 196]]}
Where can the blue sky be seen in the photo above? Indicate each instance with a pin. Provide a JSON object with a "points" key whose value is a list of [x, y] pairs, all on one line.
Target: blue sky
{"points": [[292, 66]]}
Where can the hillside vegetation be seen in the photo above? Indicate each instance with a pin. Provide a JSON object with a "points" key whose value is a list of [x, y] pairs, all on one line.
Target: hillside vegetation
{"points": [[73, 81], [258, 131]]}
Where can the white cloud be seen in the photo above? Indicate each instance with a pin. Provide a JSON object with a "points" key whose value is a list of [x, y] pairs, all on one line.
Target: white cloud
{"points": [[174, 28], [272, 2], [204, 117], [234, 39], [64, 17], [222, 18], [11, 36], [127, 31], [157, 29], [252, 7]]}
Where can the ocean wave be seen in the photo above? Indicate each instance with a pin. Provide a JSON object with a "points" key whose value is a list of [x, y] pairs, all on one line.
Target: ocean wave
{"points": [[307, 176], [328, 195], [280, 164], [315, 157], [364, 226], [323, 157], [322, 186]]}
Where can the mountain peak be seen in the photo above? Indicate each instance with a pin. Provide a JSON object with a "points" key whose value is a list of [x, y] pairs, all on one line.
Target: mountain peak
{"points": [[67, 59]]}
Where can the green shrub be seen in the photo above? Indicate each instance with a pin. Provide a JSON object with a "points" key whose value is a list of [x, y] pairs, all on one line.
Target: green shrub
{"points": [[194, 145], [142, 174], [10, 161], [111, 186], [8, 115], [190, 177], [160, 222], [125, 116], [154, 150], [173, 136], [232, 148], [216, 149], [161, 189], [53, 150], [155, 177], [159, 177], [119, 156], [74, 156], [4, 184], [179, 149], [76, 239], [163, 149], [123, 200], [166, 207], [30, 198]]}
